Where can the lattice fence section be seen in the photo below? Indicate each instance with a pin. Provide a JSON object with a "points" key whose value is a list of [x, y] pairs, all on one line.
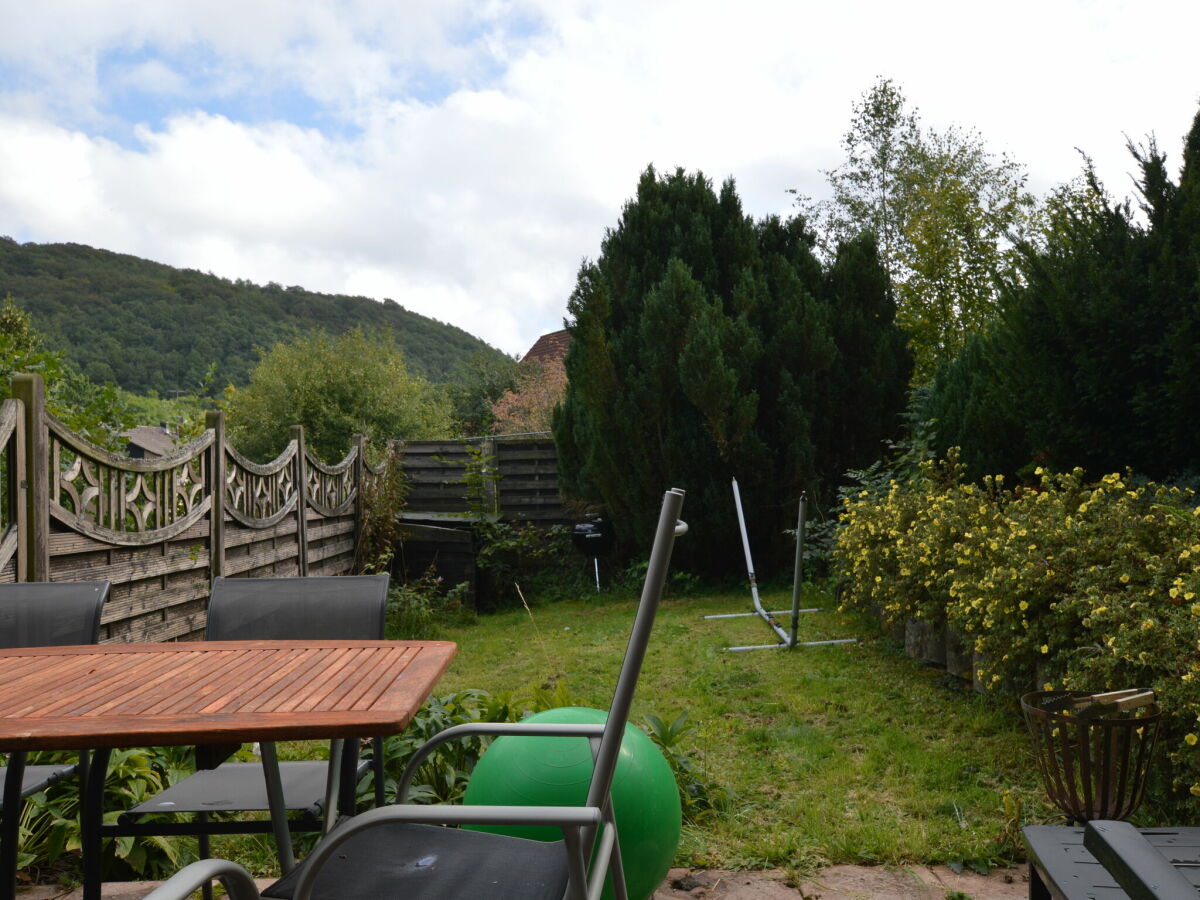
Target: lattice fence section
{"points": [[261, 495], [122, 500], [161, 529], [331, 489]]}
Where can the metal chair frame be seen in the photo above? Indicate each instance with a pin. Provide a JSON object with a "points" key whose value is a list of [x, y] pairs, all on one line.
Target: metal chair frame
{"points": [[589, 831], [244, 609]]}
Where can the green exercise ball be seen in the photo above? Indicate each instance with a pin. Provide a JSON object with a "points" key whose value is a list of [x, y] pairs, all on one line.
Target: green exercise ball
{"points": [[555, 771]]}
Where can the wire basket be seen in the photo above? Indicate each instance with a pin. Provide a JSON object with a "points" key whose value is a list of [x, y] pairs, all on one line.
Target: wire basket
{"points": [[1093, 761]]}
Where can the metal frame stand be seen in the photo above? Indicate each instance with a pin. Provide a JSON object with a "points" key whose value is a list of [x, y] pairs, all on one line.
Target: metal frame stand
{"points": [[786, 641]]}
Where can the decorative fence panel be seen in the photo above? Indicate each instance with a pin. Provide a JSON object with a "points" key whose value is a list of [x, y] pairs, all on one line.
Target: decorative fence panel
{"points": [[160, 530]]}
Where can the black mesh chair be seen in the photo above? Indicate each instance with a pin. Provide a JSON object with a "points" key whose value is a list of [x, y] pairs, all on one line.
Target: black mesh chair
{"points": [[399, 851], [278, 609], [42, 614]]}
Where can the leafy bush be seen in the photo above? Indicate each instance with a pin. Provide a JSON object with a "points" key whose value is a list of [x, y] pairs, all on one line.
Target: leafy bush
{"points": [[1061, 583], [699, 796], [49, 831], [511, 554], [417, 609], [383, 499], [336, 387]]}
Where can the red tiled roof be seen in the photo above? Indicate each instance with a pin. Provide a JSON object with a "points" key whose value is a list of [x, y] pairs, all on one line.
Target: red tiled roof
{"points": [[549, 347]]}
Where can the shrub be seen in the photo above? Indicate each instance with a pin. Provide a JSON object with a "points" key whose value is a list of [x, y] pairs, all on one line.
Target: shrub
{"points": [[49, 830], [1060, 583], [417, 609], [511, 554]]}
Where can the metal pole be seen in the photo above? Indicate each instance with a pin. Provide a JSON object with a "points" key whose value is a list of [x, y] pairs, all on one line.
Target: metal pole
{"points": [[758, 607], [798, 575], [596, 564]]}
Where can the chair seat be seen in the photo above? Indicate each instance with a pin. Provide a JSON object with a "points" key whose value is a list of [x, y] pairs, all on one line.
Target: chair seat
{"points": [[242, 786], [36, 778], [426, 862]]}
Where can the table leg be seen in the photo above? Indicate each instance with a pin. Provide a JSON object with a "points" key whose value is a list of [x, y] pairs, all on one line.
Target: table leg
{"points": [[332, 782], [91, 817], [279, 820], [12, 823]]}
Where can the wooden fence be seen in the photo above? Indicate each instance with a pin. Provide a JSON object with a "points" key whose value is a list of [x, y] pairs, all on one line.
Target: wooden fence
{"points": [[513, 477], [161, 529]]}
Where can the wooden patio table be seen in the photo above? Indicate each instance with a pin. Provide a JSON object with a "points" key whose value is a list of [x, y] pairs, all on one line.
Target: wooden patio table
{"points": [[100, 697]]}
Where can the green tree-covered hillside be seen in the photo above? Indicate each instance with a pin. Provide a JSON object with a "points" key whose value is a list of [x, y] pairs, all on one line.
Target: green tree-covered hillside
{"points": [[151, 327]]}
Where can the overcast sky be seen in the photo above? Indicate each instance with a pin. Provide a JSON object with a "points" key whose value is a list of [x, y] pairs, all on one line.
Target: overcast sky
{"points": [[462, 158]]}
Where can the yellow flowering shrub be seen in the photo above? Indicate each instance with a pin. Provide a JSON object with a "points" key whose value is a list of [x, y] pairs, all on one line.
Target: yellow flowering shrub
{"points": [[1080, 585]]}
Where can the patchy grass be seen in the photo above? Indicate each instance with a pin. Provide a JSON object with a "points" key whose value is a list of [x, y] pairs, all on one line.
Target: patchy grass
{"points": [[836, 754]]}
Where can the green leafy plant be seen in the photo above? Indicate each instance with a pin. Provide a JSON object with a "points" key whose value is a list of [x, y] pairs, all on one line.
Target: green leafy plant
{"points": [[509, 554], [50, 838], [418, 609], [382, 501], [699, 796]]}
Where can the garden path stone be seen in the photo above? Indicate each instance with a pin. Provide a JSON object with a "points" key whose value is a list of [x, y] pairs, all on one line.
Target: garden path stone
{"points": [[845, 883], [833, 883]]}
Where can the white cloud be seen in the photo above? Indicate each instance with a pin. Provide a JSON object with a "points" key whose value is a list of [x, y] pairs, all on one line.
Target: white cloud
{"points": [[482, 149], [152, 77]]}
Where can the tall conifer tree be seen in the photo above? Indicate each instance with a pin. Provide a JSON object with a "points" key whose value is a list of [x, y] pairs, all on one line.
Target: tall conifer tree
{"points": [[704, 347], [1094, 360]]}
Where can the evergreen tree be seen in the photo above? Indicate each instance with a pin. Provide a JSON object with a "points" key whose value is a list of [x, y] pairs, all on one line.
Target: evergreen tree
{"points": [[1093, 362], [704, 346]]}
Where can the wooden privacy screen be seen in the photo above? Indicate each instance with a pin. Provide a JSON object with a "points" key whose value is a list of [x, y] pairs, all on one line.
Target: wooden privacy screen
{"points": [[161, 529], [519, 483]]}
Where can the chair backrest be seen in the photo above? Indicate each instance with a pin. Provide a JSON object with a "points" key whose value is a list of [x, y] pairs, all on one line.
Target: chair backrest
{"points": [[618, 715], [51, 613], [336, 607]]}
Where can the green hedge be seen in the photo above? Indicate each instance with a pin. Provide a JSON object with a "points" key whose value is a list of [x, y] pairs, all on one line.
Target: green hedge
{"points": [[1058, 584]]}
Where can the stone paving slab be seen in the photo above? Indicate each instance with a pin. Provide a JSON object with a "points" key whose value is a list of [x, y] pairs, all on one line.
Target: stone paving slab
{"points": [[833, 883]]}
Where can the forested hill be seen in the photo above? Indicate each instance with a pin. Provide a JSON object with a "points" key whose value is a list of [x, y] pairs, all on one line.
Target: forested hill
{"points": [[147, 326]]}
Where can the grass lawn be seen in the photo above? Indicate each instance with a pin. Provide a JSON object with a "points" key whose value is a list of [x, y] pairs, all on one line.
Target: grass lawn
{"points": [[836, 754], [848, 753]]}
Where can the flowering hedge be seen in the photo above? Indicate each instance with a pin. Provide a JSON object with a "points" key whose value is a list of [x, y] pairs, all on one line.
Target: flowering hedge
{"points": [[1062, 583]]}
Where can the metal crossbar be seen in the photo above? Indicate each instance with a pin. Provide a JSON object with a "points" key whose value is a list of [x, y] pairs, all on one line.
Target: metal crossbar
{"points": [[786, 640]]}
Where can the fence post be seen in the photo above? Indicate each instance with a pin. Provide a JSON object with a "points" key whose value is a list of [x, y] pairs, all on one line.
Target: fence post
{"points": [[360, 473], [30, 390], [17, 493], [214, 420], [301, 499]]}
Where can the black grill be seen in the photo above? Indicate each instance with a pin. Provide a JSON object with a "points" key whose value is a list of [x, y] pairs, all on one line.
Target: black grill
{"points": [[593, 538]]}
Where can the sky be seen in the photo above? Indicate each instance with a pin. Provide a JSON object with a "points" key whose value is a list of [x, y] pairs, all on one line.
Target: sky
{"points": [[463, 158]]}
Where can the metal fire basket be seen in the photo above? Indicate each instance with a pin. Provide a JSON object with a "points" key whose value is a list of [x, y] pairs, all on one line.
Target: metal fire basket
{"points": [[1093, 750]]}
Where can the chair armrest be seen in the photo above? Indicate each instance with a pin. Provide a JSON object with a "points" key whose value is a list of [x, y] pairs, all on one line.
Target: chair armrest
{"points": [[1136, 865], [237, 881], [493, 729]]}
